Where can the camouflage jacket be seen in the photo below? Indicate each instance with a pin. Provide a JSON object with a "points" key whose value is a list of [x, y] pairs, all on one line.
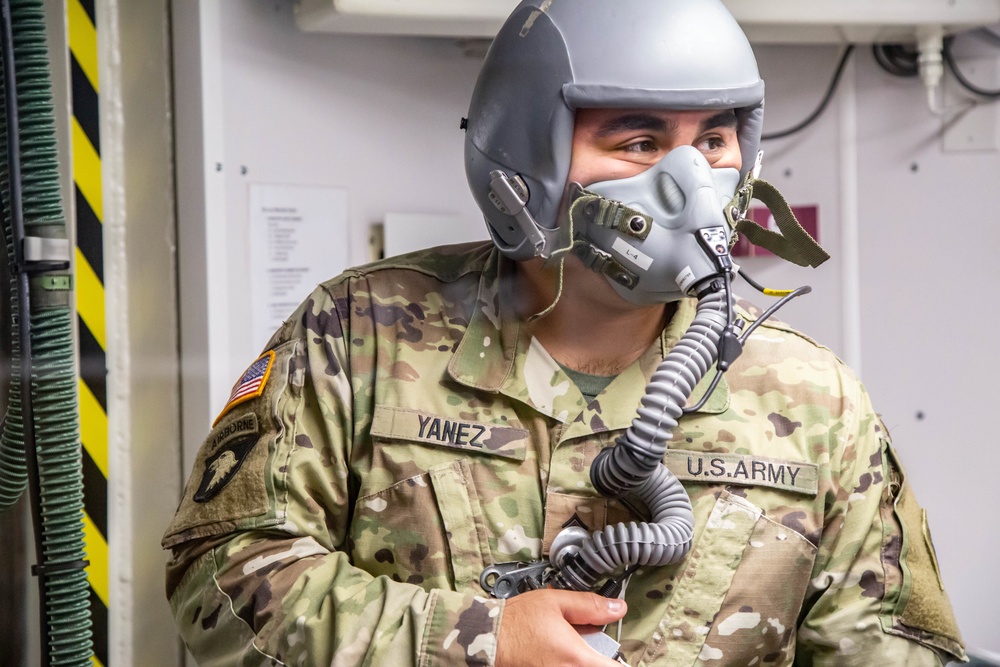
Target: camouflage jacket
{"points": [[402, 432]]}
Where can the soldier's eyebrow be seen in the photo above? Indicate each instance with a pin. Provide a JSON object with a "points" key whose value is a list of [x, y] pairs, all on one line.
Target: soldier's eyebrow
{"points": [[629, 122], [724, 119]]}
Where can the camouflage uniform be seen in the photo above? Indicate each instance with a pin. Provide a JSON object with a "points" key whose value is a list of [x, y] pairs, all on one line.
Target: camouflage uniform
{"points": [[407, 432]]}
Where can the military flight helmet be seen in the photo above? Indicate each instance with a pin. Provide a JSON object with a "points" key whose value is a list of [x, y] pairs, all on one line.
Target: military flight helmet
{"points": [[552, 57]]}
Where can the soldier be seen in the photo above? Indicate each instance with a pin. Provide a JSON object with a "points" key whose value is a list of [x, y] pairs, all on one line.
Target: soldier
{"points": [[420, 419]]}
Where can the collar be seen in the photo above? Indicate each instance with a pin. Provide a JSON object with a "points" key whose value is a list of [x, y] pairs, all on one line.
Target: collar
{"points": [[497, 355], [485, 357]]}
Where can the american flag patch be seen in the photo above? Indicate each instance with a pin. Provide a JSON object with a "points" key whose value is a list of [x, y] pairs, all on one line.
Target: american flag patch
{"points": [[251, 384]]}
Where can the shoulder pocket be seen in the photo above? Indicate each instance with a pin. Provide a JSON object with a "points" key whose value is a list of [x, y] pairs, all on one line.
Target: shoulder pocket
{"points": [[915, 604], [230, 485]]}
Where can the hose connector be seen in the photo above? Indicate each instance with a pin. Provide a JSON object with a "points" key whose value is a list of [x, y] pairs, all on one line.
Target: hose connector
{"points": [[930, 59]]}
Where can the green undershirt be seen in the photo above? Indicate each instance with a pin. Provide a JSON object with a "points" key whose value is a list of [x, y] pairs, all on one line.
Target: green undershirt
{"points": [[589, 385]]}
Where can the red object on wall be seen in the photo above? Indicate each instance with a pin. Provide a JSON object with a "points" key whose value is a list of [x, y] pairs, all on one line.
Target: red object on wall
{"points": [[807, 215]]}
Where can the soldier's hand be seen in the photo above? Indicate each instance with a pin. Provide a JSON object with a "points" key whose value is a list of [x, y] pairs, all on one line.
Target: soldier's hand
{"points": [[537, 629]]}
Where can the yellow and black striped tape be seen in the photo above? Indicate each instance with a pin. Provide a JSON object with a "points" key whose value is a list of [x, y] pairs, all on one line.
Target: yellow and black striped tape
{"points": [[87, 191]]}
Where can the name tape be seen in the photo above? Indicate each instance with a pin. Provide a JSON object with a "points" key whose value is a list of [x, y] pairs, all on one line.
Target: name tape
{"points": [[744, 470], [402, 424]]}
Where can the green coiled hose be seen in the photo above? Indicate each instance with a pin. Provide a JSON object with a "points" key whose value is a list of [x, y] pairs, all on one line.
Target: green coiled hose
{"points": [[40, 443]]}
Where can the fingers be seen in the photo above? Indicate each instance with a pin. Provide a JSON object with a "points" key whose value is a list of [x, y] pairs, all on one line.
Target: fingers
{"points": [[537, 629], [590, 608]]}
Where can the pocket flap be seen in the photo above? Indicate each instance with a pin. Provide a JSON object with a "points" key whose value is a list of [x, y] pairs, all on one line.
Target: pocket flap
{"points": [[708, 572], [465, 527]]}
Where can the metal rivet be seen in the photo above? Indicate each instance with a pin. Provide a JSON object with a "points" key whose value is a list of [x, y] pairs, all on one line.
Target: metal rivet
{"points": [[637, 224], [590, 209]]}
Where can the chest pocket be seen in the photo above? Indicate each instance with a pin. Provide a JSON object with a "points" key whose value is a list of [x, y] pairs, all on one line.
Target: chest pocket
{"points": [[420, 516], [739, 594]]}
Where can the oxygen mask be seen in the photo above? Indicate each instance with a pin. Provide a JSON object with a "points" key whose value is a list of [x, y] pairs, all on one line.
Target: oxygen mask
{"points": [[659, 234]]}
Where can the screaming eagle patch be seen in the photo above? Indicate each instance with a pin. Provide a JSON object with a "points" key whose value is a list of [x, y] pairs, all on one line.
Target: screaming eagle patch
{"points": [[233, 444], [251, 384]]}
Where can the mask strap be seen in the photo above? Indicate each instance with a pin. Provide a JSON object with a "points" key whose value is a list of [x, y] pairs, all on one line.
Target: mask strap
{"points": [[793, 244], [611, 214]]}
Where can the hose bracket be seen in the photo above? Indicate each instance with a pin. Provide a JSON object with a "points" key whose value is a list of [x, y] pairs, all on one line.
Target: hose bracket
{"points": [[505, 580], [42, 254]]}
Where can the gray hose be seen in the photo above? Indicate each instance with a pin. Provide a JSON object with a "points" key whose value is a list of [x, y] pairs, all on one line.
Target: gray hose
{"points": [[635, 465]]}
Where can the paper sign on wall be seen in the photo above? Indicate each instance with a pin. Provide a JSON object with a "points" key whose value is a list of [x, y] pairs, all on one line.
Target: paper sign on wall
{"points": [[298, 239]]}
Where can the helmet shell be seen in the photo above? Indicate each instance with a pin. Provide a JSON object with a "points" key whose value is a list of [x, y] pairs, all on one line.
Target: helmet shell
{"points": [[552, 57]]}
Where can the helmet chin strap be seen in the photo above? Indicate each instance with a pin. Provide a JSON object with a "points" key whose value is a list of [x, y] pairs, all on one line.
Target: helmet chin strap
{"points": [[564, 236], [560, 269]]}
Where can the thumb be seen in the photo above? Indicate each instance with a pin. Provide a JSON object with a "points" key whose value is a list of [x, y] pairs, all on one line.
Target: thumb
{"points": [[591, 609]]}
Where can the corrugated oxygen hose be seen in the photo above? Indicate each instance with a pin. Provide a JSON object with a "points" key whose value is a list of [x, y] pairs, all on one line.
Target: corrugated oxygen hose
{"points": [[635, 465], [40, 441]]}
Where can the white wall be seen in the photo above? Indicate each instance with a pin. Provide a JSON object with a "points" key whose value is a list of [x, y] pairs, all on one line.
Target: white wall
{"points": [[379, 116]]}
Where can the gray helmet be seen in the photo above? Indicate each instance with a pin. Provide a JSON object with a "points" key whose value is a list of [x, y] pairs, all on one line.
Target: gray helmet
{"points": [[552, 57]]}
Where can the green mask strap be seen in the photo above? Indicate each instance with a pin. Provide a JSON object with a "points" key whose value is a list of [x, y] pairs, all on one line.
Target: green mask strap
{"points": [[597, 210], [594, 209], [793, 244]]}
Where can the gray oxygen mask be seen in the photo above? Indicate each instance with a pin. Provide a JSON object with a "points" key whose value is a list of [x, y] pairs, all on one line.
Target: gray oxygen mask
{"points": [[680, 236]]}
